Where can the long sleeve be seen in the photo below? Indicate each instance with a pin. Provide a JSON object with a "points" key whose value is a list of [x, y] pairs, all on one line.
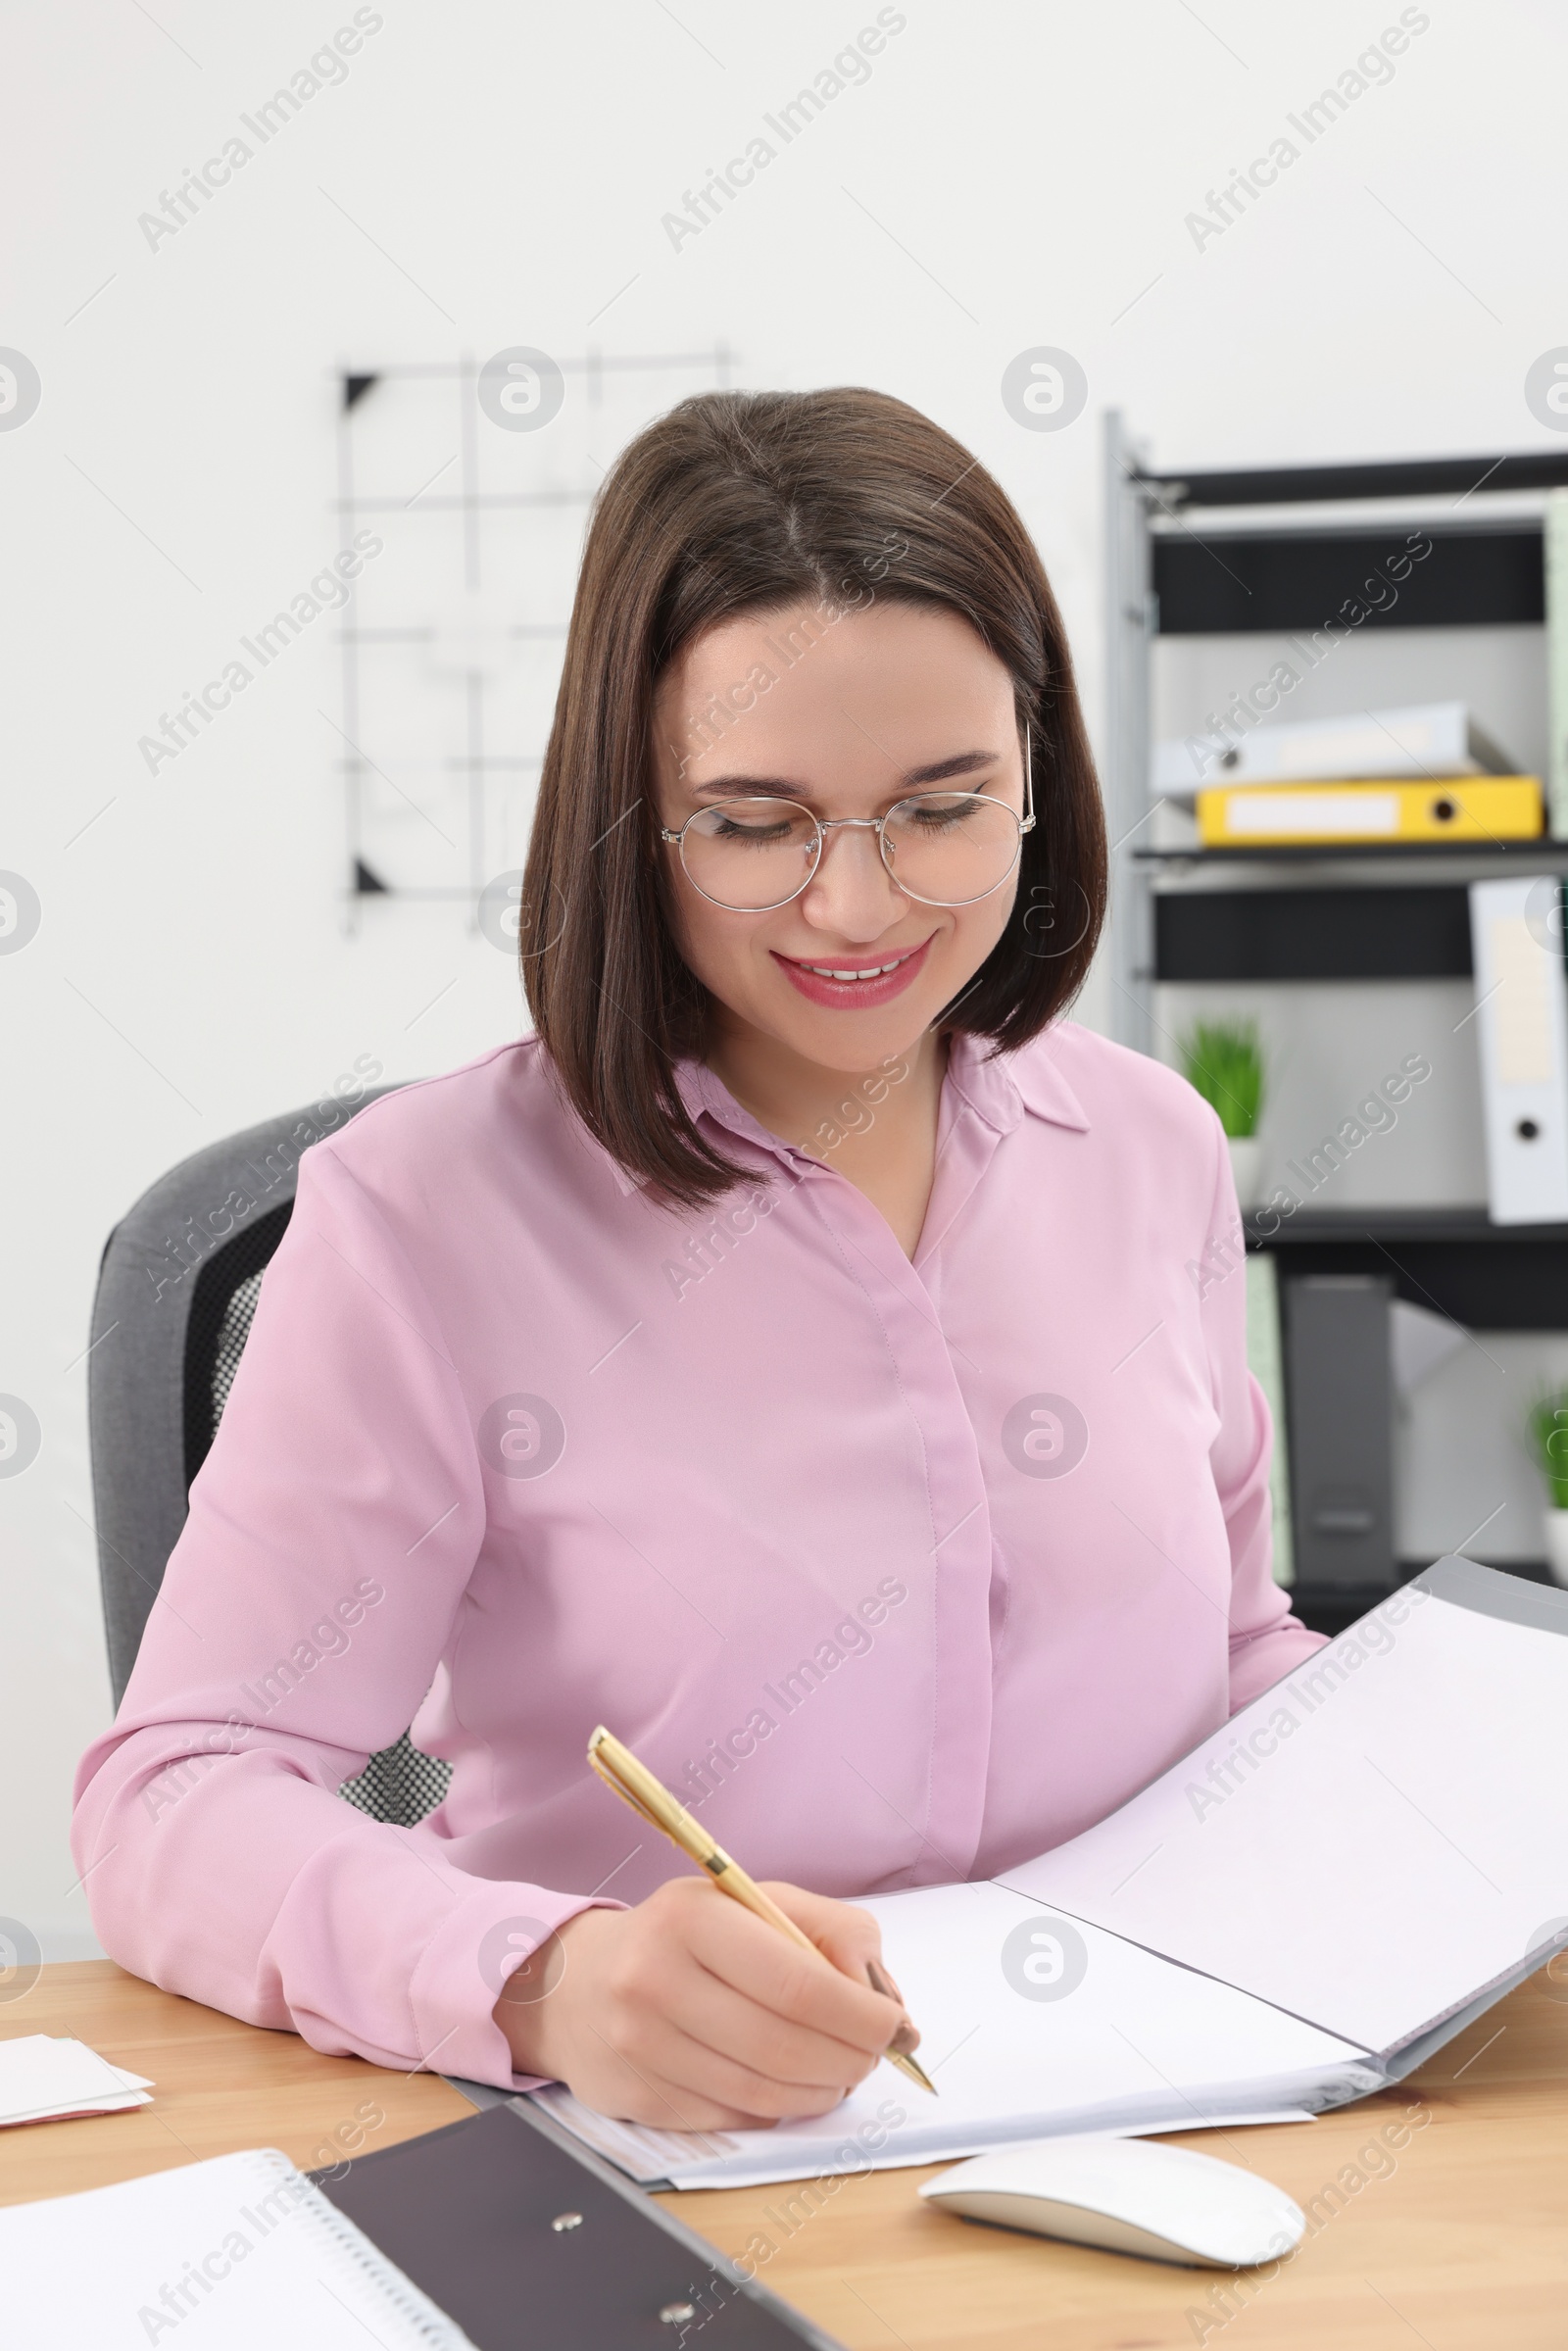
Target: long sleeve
{"points": [[331, 1535], [514, 1449], [1265, 1641]]}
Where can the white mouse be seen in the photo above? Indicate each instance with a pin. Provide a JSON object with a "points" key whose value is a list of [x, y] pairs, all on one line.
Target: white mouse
{"points": [[1127, 2196]]}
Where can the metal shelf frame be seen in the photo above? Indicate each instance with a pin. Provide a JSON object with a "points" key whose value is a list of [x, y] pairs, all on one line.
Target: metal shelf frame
{"points": [[1191, 541], [1148, 512]]}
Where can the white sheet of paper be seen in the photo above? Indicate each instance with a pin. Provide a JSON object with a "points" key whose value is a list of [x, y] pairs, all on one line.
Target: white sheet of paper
{"points": [[654, 2157], [1132, 2043], [42, 2076], [83, 2106], [1380, 1837]]}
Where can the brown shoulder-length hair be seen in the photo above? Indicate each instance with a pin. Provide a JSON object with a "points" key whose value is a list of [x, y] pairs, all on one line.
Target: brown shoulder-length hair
{"points": [[752, 501]]}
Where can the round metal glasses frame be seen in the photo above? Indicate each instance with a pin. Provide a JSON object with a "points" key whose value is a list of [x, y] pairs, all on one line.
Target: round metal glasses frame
{"points": [[872, 824]]}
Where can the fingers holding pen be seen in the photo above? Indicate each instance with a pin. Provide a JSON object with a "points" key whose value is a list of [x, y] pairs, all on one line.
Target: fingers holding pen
{"points": [[691, 2013], [827, 1989]]}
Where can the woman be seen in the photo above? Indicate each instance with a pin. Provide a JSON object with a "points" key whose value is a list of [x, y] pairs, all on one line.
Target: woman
{"points": [[809, 1356]]}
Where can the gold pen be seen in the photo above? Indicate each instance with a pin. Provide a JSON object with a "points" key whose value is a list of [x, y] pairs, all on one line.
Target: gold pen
{"points": [[632, 1781]]}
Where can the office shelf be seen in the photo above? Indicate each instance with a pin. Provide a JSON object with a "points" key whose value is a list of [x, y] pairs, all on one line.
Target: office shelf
{"points": [[1381, 477], [1487, 1277], [1321, 853], [1182, 561], [1185, 560], [1461, 1223], [1277, 581], [1451, 1260], [1366, 925], [1354, 932]]}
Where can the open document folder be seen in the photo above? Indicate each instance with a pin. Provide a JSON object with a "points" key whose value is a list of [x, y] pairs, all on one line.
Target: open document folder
{"points": [[1298, 1913]]}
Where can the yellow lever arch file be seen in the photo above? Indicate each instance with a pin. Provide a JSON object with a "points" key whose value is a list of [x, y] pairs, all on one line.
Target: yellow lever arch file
{"points": [[1461, 807]]}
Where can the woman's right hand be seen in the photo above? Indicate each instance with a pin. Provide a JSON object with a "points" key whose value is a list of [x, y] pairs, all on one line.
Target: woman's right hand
{"points": [[688, 2013]]}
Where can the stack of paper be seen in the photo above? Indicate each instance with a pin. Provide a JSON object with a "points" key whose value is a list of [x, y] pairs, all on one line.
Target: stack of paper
{"points": [[1032, 2026], [42, 2081]]}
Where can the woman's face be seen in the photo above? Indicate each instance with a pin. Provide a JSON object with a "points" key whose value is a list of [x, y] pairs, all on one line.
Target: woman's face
{"points": [[847, 716]]}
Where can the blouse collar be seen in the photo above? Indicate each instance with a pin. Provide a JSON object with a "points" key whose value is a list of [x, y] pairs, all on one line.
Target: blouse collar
{"points": [[999, 1088]]}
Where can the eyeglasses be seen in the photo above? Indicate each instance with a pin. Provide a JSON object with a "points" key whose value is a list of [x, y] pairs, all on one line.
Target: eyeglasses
{"points": [[942, 848]]}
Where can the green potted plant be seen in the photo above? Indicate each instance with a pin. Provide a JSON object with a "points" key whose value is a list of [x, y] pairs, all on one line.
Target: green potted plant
{"points": [[1548, 1445], [1224, 1061]]}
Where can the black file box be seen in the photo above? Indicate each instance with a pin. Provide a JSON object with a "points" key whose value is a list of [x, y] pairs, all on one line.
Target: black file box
{"points": [[1340, 1412]]}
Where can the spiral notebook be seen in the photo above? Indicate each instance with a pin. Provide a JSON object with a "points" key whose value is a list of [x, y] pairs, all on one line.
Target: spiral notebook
{"points": [[508, 2237], [242, 2253]]}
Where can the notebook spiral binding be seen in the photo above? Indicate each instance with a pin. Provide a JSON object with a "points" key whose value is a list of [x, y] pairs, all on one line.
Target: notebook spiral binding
{"points": [[425, 2323]]}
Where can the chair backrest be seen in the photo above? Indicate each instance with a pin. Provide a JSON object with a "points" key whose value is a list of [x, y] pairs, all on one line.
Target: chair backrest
{"points": [[177, 1291]]}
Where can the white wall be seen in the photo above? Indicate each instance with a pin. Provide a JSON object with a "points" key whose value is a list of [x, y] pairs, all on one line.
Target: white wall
{"points": [[1010, 175]]}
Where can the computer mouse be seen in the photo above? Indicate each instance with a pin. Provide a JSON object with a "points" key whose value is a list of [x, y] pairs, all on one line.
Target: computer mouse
{"points": [[1126, 2196]]}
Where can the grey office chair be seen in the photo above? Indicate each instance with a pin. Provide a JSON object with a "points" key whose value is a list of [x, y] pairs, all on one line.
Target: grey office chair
{"points": [[177, 1291]]}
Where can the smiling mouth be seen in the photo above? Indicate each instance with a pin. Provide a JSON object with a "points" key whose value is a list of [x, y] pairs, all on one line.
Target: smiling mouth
{"points": [[842, 987], [866, 971]]}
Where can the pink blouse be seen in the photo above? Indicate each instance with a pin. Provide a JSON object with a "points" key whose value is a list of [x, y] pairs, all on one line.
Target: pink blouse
{"points": [[898, 1573]]}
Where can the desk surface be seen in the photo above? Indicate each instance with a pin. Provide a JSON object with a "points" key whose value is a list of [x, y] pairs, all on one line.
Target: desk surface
{"points": [[1462, 2244]]}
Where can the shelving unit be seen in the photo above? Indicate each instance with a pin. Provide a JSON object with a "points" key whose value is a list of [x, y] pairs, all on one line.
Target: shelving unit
{"points": [[1290, 571], [1276, 552]]}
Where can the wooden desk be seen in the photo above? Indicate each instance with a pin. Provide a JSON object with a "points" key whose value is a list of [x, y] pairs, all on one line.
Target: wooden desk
{"points": [[1461, 2246]]}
